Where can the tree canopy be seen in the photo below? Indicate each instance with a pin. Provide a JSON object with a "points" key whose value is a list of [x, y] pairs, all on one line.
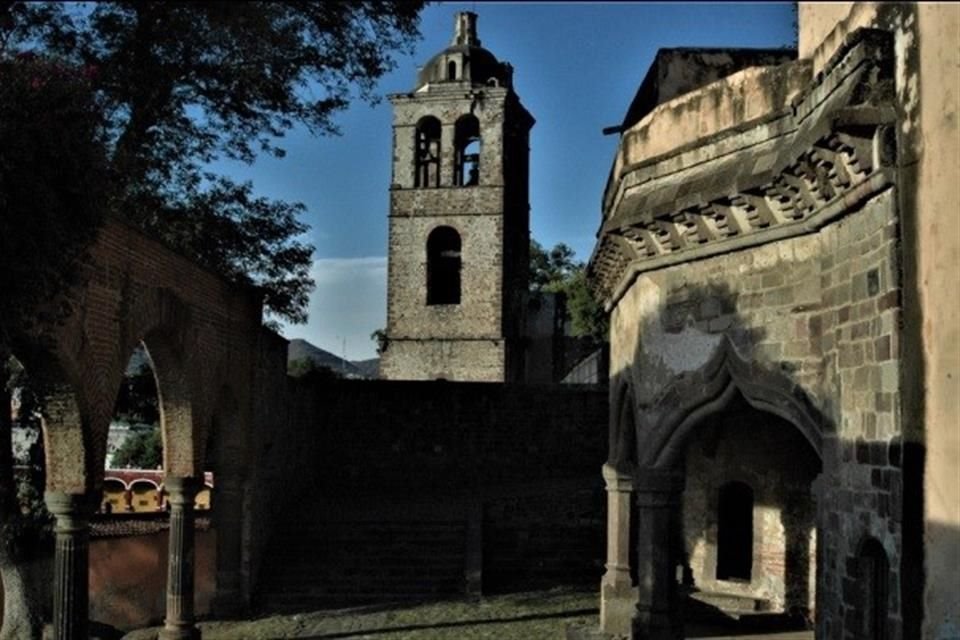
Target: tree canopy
{"points": [[143, 449], [185, 83], [53, 182], [557, 271]]}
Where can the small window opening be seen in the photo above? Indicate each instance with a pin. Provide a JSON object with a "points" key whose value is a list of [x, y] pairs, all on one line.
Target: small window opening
{"points": [[467, 143], [451, 70], [735, 532], [428, 153], [874, 569], [443, 266]]}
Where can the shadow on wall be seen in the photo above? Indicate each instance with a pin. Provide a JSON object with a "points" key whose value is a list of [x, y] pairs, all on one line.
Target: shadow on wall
{"points": [[709, 393], [776, 342]]}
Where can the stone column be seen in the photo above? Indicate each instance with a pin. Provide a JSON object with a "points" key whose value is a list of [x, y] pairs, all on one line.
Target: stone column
{"points": [[178, 624], [71, 560], [658, 494], [618, 596]]}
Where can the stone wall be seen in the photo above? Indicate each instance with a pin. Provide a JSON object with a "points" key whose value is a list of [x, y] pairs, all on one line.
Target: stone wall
{"points": [[822, 312], [768, 455], [477, 339], [521, 458]]}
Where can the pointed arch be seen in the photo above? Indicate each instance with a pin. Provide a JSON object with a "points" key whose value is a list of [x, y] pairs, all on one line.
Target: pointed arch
{"points": [[691, 398]]}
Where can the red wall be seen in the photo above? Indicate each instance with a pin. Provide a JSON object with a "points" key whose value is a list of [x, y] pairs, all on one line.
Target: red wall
{"points": [[128, 578]]}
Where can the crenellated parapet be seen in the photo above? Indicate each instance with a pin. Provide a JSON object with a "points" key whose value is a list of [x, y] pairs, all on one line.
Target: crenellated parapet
{"points": [[784, 174]]}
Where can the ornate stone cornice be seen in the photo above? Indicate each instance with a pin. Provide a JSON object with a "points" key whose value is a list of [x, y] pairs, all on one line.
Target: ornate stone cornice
{"points": [[835, 150]]}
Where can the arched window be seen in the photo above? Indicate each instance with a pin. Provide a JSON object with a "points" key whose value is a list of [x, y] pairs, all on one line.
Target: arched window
{"points": [[443, 266], [735, 532], [428, 153], [467, 144], [451, 70], [874, 569]]}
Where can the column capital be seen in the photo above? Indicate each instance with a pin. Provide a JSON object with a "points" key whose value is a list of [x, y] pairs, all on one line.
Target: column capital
{"points": [[71, 511], [181, 489], [617, 480]]}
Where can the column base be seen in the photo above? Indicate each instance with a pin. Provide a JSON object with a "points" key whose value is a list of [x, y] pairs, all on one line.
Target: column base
{"points": [[618, 602], [649, 625], [179, 633]]}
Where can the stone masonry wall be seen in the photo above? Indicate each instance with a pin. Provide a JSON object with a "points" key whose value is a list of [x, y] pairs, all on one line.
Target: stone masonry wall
{"points": [[822, 311], [469, 340], [766, 453]]}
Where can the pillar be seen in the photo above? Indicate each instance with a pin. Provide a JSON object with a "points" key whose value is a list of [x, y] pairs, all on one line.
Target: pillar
{"points": [[71, 512], [657, 615], [618, 596], [179, 623]]}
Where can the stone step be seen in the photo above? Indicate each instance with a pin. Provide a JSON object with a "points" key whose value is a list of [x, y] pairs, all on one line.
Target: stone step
{"points": [[733, 605]]}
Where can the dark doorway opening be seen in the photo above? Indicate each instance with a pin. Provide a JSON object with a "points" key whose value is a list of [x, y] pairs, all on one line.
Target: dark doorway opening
{"points": [[735, 532]]}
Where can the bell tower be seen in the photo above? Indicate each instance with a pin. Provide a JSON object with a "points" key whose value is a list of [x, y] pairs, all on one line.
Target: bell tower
{"points": [[459, 219]]}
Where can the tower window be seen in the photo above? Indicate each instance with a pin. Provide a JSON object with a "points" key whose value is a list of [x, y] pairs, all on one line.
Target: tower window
{"points": [[443, 266], [428, 153], [735, 532], [467, 144], [451, 70], [874, 576]]}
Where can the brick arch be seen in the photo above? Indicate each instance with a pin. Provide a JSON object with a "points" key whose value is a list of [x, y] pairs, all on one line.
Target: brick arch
{"points": [[177, 377], [65, 416], [683, 405]]}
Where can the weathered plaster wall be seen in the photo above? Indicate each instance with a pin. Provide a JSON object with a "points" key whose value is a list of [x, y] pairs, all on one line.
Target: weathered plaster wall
{"points": [[938, 249]]}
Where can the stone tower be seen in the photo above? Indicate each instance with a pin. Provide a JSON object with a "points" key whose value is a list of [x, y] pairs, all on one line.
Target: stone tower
{"points": [[459, 219]]}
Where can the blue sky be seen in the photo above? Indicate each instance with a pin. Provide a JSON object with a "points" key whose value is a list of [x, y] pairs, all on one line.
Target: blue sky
{"points": [[576, 68]]}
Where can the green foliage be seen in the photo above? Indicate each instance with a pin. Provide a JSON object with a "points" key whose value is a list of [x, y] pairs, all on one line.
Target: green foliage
{"points": [[307, 368], [53, 183], [141, 450], [383, 342], [550, 270], [25, 524], [137, 401], [557, 271], [186, 83]]}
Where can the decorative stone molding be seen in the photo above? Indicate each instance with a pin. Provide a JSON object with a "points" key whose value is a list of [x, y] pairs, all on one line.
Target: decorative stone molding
{"points": [[837, 150], [680, 406]]}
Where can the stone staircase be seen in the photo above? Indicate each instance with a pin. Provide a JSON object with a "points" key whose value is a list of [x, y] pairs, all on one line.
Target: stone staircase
{"points": [[364, 553]]}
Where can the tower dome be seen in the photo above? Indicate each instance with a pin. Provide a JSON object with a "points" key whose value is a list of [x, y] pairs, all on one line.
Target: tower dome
{"points": [[465, 61]]}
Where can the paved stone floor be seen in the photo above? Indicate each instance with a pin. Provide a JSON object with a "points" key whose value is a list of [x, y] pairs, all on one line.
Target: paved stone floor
{"points": [[541, 615]]}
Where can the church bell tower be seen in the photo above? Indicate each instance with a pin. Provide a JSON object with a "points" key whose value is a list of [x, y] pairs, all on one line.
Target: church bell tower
{"points": [[459, 219]]}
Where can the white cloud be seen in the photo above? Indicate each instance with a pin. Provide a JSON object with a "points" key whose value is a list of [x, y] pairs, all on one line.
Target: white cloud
{"points": [[349, 303]]}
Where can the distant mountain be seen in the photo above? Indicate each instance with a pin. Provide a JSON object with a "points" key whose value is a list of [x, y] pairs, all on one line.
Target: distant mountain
{"points": [[370, 368], [301, 350]]}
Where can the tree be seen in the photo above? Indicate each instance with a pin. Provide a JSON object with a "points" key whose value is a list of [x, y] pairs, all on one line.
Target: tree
{"points": [[557, 271], [141, 450], [53, 187], [185, 83]]}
